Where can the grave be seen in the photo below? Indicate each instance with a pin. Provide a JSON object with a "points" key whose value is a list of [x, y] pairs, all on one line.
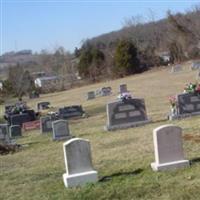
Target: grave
{"points": [[90, 95], [61, 130], [168, 148], [188, 104], [78, 162], [31, 125], [43, 105], [195, 65], [45, 124], [15, 131], [70, 112], [127, 113], [123, 88], [4, 136], [176, 68], [104, 91], [19, 119]]}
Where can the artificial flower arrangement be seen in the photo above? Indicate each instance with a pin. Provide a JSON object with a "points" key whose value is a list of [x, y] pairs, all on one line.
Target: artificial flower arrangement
{"points": [[124, 96], [192, 88], [189, 88]]}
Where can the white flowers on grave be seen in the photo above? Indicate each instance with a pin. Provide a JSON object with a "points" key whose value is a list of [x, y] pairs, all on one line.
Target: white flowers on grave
{"points": [[124, 96]]}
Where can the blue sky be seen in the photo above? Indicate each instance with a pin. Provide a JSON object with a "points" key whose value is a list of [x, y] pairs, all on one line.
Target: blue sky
{"points": [[47, 24]]}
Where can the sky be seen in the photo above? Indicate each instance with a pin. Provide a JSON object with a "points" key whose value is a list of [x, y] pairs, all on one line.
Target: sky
{"points": [[48, 24]]}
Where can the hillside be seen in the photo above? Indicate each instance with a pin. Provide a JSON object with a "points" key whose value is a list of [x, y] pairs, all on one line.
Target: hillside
{"points": [[123, 156]]}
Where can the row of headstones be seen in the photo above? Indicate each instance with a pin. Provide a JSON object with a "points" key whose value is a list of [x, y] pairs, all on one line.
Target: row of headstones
{"points": [[178, 68], [105, 91], [168, 152], [59, 128]]}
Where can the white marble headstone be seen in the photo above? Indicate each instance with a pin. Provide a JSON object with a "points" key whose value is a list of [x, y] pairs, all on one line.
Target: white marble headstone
{"points": [[168, 148], [78, 162]]}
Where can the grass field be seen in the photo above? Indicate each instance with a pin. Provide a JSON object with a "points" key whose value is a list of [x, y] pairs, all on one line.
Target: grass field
{"points": [[122, 158]]}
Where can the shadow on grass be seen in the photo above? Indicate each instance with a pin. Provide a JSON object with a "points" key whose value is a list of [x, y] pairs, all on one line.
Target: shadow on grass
{"points": [[195, 160], [108, 178], [159, 121]]}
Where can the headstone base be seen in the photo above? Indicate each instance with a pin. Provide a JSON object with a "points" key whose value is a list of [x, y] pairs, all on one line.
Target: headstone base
{"points": [[80, 179], [127, 125], [170, 165], [174, 117], [62, 138]]}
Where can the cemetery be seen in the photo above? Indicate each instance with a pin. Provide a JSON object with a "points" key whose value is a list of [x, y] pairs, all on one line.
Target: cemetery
{"points": [[142, 155]]}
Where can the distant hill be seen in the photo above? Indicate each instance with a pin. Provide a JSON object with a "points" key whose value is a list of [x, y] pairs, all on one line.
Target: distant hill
{"points": [[21, 57]]}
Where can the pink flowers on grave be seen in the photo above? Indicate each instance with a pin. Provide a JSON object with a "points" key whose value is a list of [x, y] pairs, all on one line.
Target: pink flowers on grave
{"points": [[173, 101]]}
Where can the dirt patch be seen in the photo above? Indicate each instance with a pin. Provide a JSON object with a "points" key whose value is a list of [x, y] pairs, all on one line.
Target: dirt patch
{"points": [[193, 138]]}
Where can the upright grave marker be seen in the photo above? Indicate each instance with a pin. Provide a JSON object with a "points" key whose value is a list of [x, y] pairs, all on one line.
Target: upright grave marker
{"points": [[123, 88], [78, 162], [195, 65], [124, 114], [45, 124], [4, 136], [90, 95], [188, 104], [15, 131], [61, 130], [168, 148], [176, 68]]}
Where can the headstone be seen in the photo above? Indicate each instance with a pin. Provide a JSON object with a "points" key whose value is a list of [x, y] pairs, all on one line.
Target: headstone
{"points": [[168, 148], [78, 162], [15, 131], [43, 105], [45, 124], [124, 114], [188, 104], [31, 125], [19, 119], [106, 91], [176, 68], [90, 95], [195, 65], [60, 130], [123, 88], [4, 136], [70, 112]]}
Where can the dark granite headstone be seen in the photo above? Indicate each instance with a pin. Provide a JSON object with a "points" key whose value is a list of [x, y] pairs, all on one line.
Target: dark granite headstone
{"points": [[128, 113], [15, 131], [45, 124], [19, 119], [123, 88], [188, 103], [43, 105], [70, 112]]}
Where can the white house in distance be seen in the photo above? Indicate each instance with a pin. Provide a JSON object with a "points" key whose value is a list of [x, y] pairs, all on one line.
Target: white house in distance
{"points": [[46, 82]]}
